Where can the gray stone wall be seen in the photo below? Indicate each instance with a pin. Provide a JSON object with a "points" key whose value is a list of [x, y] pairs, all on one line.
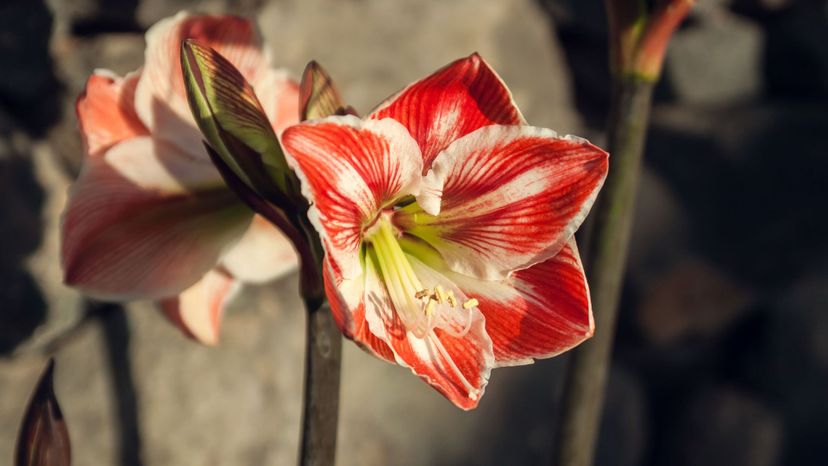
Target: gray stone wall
{"points": [[720, 357]]}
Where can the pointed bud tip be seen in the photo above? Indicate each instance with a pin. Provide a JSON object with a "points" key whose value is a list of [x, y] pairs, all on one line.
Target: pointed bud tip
{"points": [[318, 96], [43, 439]]}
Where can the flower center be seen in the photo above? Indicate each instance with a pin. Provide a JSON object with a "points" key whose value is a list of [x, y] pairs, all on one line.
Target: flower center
{"points": [[422, 298]]}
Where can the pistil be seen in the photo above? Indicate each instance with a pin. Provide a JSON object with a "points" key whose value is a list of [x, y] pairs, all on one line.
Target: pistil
{"points": [[420, 309]]}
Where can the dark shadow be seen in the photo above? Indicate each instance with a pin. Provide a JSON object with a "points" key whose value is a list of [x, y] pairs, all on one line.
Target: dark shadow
{"points": [[795, 61], [22, 306], [752, 203], [116, 340], [108, 16], [29, 89]]}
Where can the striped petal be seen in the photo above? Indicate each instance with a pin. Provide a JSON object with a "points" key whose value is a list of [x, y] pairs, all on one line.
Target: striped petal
{"points": [[511, 197], [537, 313], [457, 367], [199, 309], [347, 300], [279, 96], [350, 170], [264, 253], [452, 102], [134, 227], [160, 97], [106, 111]]}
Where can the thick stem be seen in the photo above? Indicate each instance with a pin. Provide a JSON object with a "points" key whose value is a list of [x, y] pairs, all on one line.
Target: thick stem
{"points": [[323, 354], [606, 252]]}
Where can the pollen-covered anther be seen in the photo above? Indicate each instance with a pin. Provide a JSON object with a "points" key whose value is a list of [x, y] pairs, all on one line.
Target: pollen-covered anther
{"points": [[429, 308], [452, 300], [440, 293], [426, 293], [470, 303]]}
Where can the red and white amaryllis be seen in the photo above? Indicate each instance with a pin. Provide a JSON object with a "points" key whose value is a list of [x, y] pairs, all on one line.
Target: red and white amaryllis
{"points": [[448, 228], [149, 216]]}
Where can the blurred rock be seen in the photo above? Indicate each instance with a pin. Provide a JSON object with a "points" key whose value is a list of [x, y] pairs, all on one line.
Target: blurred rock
{"points": [[580, 28], [796, 59], [791, 364], [691, 298], [716, 59], [660, 227], [29, 90], [724, 427], [750, 208], [92, 17], [151, 11], [512, 36]]}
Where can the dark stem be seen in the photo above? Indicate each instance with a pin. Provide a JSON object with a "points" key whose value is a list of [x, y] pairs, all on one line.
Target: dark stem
{"points": [[606, 255], [323, 354]]}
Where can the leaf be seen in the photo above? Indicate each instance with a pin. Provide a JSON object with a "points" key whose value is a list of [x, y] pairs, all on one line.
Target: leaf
{"points": [[318, 96], [43, 438], [234, 124]]}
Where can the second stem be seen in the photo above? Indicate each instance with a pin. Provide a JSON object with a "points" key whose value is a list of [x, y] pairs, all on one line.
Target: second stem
{"points": [[606, 255]]}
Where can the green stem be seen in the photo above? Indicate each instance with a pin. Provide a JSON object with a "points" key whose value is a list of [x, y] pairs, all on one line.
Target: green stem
{"points": [[320, 412], [606, 254]]}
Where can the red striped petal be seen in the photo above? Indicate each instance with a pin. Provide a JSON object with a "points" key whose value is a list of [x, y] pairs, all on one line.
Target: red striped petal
{"points": [[133, 230], [457, 367], [264, 253], [511, 197], [346, 298], [452, 102], [537, 313], [199, 309], [106, 111], [350, 170], [160, 96]]}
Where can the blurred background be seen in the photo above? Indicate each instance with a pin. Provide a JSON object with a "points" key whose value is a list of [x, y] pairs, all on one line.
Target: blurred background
{"points": [[722, 350]]}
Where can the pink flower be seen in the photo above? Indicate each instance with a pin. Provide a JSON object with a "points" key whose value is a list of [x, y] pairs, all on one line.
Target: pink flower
{"points": [[448, 228], [149, 216]]}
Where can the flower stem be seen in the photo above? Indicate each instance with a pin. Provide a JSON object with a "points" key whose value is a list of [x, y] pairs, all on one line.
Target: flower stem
{"points": [[606, 254], [320, 411]]}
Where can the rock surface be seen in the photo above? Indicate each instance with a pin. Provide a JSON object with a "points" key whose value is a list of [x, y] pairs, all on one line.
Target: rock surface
{"points": [[720, 355]]}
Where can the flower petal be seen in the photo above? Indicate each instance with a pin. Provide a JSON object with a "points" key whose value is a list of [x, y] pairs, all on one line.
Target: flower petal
{"points": [[537, 313], [198, 310], [279, 96], [454, 101], [106, 111], [346, 298], [261, 255], [351, 169], [511, 197], [133, 230], [160, 97], [457, 367]]}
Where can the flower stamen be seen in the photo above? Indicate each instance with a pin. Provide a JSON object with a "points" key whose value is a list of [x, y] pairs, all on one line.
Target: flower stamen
{"points": [[470, 303]]}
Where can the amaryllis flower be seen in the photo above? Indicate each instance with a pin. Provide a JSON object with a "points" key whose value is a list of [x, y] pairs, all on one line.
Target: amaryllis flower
{"points": [[149, 216], [448, 228]]}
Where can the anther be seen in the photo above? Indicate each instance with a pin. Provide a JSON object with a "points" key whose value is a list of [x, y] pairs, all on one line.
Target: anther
{"points": [[470, 303], [429, 309], [441, 294], [451, 299], [426, 293]]}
